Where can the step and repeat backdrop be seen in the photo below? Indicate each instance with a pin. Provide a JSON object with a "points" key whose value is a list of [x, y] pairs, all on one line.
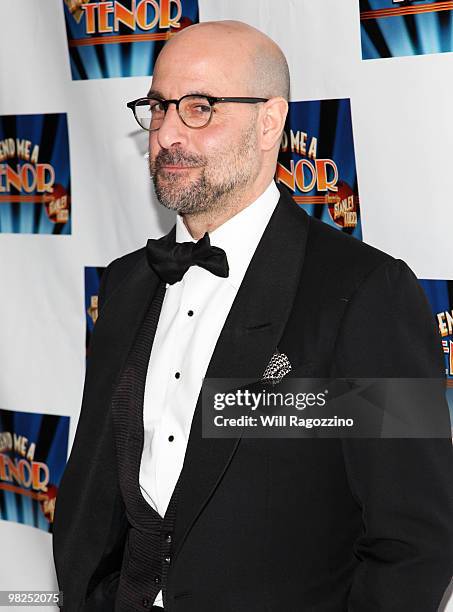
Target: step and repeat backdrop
{"points": [[367, 148]]}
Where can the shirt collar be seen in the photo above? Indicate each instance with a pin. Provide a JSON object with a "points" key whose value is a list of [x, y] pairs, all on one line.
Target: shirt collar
{"points": [[240, 235]]}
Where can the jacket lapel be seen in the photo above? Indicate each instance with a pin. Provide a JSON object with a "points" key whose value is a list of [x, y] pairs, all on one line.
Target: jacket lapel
{"points": [[123, 313], [249, 338], [121, 316]]}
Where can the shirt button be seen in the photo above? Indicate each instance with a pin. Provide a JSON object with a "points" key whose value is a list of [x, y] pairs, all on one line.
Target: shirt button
{"points": [[171, 438], [168, 538], [177, 374], [190, 313], [157, 579], [146, 602]]}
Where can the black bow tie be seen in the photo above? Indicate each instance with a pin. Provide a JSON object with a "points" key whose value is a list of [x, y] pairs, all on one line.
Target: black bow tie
{"points": [[170, 260]]}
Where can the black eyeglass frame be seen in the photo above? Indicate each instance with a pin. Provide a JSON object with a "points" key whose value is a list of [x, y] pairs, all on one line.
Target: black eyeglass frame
{"points": [[211, 99]]}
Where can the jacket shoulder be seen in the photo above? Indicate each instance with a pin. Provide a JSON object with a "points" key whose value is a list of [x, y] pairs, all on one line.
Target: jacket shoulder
{"points": [[330, 252], [335, 255], [117, 271], [119, 268]]}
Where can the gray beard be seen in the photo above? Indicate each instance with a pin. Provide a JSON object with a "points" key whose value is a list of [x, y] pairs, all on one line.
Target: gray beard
{"points": [[199, 197], [205, 195]]}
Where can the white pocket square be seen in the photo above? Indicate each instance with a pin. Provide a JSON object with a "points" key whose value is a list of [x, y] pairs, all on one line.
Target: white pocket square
{"points": [[277, 368]]}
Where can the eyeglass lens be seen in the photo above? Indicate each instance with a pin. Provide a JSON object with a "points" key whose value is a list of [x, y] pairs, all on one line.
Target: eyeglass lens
{"points": [[195, 111]]}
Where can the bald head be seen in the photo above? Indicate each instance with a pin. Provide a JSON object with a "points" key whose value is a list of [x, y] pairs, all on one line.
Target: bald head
{"points": [[212, 172], [253, 57]]}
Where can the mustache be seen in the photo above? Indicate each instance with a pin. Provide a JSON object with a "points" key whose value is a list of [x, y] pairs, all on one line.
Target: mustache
{"points": [[165, 157]]}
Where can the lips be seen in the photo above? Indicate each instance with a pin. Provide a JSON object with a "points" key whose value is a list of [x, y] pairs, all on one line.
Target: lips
{"points": [[176, 167]]}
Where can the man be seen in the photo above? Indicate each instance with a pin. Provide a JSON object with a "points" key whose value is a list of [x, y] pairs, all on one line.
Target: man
{"points": [[149, 512]]}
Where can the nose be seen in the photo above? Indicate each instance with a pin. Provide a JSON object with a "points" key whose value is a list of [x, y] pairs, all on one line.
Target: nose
{"points": [[172, 131]]}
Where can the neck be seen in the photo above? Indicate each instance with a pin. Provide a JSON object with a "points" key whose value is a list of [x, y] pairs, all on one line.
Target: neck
{"points": [[207, 221]]}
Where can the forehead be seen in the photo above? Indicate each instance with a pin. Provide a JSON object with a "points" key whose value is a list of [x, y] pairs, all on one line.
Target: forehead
{"points": [[184, 67]]}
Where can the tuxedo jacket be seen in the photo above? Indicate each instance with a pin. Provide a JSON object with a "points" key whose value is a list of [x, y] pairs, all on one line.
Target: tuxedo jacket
{"points": [[276, 525]]}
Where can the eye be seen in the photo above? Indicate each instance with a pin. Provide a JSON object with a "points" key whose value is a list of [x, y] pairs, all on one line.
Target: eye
{"points": [[199, 108], [156, 106]]}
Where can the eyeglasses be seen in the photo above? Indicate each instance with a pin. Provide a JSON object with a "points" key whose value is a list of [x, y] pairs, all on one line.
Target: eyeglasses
{"points": [[194, 111]]}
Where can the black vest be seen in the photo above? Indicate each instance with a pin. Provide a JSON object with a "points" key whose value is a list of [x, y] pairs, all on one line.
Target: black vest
{"points": [[147, 553]]}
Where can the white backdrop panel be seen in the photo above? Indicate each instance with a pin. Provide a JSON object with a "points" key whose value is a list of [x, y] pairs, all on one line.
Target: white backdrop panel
{"points": [[403, 139]]}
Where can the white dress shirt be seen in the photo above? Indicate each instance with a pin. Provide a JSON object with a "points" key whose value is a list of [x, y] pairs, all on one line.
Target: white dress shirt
{"points": [[193, 313]]}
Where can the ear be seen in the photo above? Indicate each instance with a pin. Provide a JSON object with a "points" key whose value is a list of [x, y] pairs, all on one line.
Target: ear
{"points": [[272, 122]]}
